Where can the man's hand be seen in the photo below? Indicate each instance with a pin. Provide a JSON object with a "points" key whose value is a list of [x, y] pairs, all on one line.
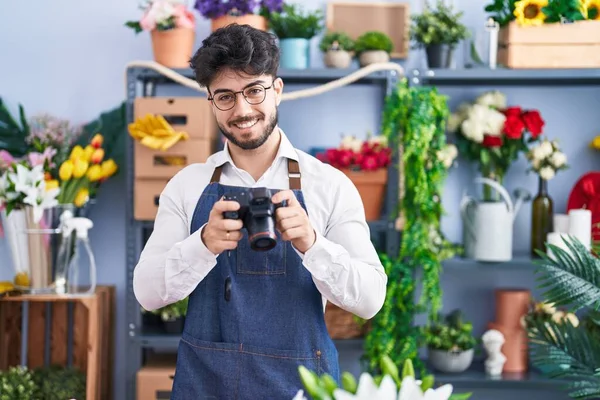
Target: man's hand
{"points": [[221, 234], [292, 222]]}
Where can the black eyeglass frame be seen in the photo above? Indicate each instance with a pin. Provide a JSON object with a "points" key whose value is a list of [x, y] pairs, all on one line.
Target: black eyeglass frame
{"points": [[235, 97]]}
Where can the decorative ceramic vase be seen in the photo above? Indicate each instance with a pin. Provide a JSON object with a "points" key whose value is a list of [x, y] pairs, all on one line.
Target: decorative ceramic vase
{"points": [[255, 21], [173, 48], [371, 187], [337, 59], [295, 53], [542, 216], [373, 56]]}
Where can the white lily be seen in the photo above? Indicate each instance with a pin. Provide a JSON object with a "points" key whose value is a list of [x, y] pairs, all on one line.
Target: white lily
{"points": [[300, 395], [410, 390], [367, 389]]}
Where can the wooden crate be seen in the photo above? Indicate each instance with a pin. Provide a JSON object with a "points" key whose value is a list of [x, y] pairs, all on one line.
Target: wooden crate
{"points": [[93, 335], [575, 45]]}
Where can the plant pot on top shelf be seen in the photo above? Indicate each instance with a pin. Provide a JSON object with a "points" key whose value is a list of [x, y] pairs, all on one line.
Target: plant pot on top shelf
{"points": [[337, 48], [295, 28], [438, 31], [373, 47]]}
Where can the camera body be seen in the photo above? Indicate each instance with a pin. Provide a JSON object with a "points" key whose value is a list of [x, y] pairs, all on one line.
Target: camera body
{"points": [[257, 213]]}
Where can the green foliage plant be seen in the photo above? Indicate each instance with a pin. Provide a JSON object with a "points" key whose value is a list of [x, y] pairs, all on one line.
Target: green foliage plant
{"points": [[373, 40], [344, 42], [438, 26], [13, 133], [173, 311], [450, 333], [59, 383], [17, 384], [294, 22]]}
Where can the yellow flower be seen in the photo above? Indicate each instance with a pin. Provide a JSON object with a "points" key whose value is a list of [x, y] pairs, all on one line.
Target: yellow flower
{"points": [[51, 184], [97, 141], [66, 170], [80, 167], [529, 12], [82, 197], [94, 173], [76, 152], [97, 156], [22, 279], [591, 9], [88, 151], [109, 167]]}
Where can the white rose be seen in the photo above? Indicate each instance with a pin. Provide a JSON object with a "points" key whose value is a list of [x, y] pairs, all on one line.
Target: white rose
{"points": [[379, 139], [473, 130], [536, 163], [161, 10], [351, 143], [547, 173], [493, 98], [495, 122], [558, 159], [545, 149], [454, 121]]}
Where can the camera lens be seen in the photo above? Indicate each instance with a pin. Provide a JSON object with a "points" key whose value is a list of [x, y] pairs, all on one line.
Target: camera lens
{"points": [[261, 234], [264, 243]]}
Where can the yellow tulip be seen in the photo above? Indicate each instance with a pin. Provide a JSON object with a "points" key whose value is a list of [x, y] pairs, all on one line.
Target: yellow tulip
{"points": [[88, 151], [97, 141], [82, 197], [80, 167], [76, 152], [51, 184], [595, 144], [66, 170], [97, 156], [109, 167], [94, 173]]}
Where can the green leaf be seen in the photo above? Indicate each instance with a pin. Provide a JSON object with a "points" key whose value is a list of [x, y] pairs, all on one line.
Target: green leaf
{"points": [[460, 396], [349, 382], [135, 25]]}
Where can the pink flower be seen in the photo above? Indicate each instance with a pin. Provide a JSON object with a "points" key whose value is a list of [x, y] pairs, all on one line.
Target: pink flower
{"points": [[147, 22], [6, 159], [35, 158], [183, 17]]}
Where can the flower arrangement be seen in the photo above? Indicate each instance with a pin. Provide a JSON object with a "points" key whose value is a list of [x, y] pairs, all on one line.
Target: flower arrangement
{"points": [[544, 312], [546, 159], [163, 15], [539, 12], [492, 134], [359, 155], [213, 9], [391, 385]]}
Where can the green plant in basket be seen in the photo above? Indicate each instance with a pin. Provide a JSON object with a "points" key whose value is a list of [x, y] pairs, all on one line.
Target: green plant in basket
{"points": [[373, 40], [17, 384], [336, 41], [438, 26], [294, 22]]}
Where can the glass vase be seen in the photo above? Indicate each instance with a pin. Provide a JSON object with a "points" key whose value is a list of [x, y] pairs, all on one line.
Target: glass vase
{"points": [[541, 218]]}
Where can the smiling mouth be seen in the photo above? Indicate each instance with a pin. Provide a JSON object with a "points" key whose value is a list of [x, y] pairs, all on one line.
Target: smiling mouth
{"points": [[246, 124]]}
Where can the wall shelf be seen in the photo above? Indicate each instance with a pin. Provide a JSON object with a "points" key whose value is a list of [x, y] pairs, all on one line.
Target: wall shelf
{"points": [[518, 262], [506, 77]]}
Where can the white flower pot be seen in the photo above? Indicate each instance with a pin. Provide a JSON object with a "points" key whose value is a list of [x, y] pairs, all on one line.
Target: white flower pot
{"points": [[450, 361]]}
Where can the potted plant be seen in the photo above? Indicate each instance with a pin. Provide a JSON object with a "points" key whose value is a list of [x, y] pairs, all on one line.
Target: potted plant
{"points": [[55, 382], [337, 48], [172, 28], [250, 12], [439, 31], [295, 28], [373, 47], [365, 162], [17, 384], [450, 343], [173, 316]]}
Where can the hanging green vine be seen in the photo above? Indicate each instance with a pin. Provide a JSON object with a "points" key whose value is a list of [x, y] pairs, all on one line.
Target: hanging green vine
{"points": [[414, 120]]}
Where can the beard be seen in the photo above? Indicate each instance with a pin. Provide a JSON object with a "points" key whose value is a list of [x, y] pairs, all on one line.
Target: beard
{"points": [[253, 143]]}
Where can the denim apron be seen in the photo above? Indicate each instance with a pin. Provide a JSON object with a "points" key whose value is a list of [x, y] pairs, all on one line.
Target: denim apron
{"points": [[254, 319]]}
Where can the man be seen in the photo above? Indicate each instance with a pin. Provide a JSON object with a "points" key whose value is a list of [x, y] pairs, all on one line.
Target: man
{"points": [[255, 316]]}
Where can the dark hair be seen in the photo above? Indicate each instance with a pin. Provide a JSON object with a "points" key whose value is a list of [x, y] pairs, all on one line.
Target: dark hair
{"points": [[239, 47]]}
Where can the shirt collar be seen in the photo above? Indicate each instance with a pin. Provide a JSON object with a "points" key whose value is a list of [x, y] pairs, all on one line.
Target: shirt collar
{"points": [[286, 150]]}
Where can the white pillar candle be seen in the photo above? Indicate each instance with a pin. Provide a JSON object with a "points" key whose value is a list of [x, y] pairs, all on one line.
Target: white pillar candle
{"points": [[580, 226], [556, 239], [561, 223]]}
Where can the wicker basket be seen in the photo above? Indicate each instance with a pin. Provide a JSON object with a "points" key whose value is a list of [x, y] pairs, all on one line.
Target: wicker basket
{"points": [[341, 324]]}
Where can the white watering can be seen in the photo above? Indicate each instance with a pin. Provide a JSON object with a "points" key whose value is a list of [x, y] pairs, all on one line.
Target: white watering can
{"points": [[488, 226]]}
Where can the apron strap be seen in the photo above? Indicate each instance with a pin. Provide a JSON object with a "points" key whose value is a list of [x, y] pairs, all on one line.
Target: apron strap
{"points": [[294, 175]]}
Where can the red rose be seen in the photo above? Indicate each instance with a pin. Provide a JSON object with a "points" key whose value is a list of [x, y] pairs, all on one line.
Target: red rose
{"points": [[533, 122], [492, 141], [513, 127], [369, 163], [513, 111]]}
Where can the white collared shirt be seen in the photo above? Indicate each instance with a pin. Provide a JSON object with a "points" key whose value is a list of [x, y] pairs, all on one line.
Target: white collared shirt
{"points": [[343, 261]]}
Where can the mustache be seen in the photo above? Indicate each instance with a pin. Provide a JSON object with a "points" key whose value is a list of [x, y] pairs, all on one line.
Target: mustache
{"points": [[244, 119]]}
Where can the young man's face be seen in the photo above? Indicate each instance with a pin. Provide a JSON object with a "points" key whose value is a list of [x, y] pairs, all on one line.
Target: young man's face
{"points": [[244, 124]]}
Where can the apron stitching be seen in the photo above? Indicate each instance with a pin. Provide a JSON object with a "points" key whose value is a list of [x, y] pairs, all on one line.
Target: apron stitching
{"points": [[253, 353]]}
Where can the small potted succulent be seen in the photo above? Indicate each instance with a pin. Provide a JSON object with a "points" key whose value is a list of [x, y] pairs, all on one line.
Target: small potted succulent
{"points": [[337, 48], [450, 343], [373, 47], [439, 31], [295, 28]]}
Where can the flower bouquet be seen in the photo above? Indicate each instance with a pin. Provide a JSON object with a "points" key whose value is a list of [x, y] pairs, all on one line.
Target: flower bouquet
{"points": [[251, 12], [491, 134], [365, 162], [547, 159], [172, 28]]}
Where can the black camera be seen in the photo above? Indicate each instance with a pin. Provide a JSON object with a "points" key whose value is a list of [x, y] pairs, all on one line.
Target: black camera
{"points": [[257, 212]]}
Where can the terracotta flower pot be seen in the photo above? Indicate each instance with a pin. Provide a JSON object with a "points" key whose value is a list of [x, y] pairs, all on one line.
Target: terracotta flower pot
{"points": [[511, 305], [371, 187], [173, 48], [255, 21]]}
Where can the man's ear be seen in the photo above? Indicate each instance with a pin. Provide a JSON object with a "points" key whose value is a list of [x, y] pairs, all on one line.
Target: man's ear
{"points": [[278, 89]]}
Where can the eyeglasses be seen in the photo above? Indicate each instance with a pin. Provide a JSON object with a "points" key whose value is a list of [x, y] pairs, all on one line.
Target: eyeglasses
{"points": [[254, 95]]}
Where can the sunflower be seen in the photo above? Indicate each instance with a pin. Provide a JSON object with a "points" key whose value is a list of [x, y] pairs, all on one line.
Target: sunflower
{"points": [[591, 9], [529, 12]]}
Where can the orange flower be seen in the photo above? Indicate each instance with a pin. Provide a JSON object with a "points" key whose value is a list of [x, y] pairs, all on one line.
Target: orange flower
{"points": [[87, 152], [97, 156], [97, 141]]}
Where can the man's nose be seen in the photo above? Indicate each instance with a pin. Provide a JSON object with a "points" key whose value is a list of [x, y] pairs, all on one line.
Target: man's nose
{"points": [[242, 107]]}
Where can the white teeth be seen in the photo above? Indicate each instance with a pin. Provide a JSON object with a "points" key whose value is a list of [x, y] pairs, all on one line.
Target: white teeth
{"points": [[248, 124]]}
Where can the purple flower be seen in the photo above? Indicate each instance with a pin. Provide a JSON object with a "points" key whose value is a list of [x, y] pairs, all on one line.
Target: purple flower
{"points": [[212, 9], [273, 5]]}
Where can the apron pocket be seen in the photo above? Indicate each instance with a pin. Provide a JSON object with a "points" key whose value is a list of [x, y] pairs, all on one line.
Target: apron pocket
{"points": [[273, 374], [206, 370], [252, 262]]}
